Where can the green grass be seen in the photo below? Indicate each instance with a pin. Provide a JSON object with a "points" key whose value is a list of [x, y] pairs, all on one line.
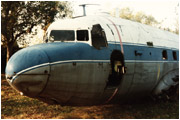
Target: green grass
{"points": [[15, 106]]}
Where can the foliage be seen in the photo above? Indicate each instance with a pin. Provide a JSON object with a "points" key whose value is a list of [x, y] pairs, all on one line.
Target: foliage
{"points": [[177, 26], [141, 17], [18, 18], [15, 106], [177, 19], [127, 13]]}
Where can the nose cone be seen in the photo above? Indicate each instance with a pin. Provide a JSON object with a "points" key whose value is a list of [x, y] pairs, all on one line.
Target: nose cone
{"points": [[25, 58], [27, 70]]}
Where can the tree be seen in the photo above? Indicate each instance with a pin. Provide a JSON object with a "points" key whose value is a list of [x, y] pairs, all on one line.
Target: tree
{"points": [[177, 19], [140, 16], [18, 18], [177, 26], [150, 20], [126, 13]]}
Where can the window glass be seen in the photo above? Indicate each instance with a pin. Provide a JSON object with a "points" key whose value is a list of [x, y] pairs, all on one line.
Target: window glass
{"points": [[82, 35], [62, 35], [98, 37]]}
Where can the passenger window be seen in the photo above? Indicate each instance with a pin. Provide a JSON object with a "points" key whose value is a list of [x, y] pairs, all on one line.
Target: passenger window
{"points": [[164, 55], [174, 55], [98, 37], [82, 35]]}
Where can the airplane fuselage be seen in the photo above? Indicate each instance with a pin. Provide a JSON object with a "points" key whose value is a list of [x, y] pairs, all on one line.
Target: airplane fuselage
{"points": [[103, 61]]}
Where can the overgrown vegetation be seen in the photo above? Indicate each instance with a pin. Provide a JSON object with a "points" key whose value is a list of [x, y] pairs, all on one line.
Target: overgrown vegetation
{"points": [[15, 106]]}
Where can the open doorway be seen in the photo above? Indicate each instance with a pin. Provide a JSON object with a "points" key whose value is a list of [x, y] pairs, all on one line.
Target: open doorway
{"points": [[117, 68]]}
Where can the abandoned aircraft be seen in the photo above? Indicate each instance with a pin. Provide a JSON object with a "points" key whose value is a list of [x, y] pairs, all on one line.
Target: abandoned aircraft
{"points": [[98, 59]]}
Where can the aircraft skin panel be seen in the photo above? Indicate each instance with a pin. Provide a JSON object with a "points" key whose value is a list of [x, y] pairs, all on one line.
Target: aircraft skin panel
{"points": [[138, 33], [89, 87], [144, 79], [89, 80], [23, 81]]}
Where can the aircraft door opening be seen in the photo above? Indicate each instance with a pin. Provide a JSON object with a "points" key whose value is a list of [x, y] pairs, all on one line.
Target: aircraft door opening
{"points": [[117, 68]]}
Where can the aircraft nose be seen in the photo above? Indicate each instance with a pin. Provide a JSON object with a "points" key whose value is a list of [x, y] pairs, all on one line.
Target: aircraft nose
{"points": [[27, 71]]}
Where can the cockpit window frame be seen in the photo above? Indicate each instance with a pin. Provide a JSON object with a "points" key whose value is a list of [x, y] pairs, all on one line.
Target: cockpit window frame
{"points": [[66, 40], [86, 35], [98, 37], [75, 33]]}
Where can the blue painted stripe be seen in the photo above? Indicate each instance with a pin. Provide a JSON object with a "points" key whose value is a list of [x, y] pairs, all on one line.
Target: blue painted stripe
{"points": [[80, 51], [59, 51], [139, 45]]}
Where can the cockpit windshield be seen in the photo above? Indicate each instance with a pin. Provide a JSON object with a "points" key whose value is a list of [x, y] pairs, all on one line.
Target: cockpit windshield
{"points": [[62, 35]]}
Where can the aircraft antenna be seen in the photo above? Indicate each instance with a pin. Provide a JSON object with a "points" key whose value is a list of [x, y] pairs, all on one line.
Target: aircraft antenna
{"points": [[84, 8]]}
